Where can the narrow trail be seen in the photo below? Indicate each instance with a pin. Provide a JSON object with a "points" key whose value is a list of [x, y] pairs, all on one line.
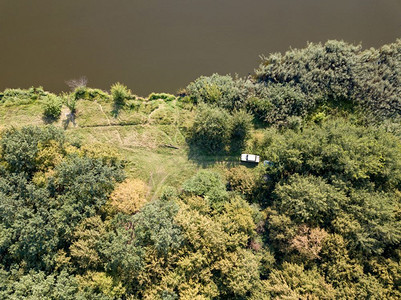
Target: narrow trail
{"points": [[159, 186], [101, 108]]}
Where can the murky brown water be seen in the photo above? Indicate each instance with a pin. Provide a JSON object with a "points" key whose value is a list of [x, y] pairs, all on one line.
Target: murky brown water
{"points": [[161, 45]]}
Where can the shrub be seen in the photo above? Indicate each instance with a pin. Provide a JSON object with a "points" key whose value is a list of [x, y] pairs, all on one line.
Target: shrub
{"points": [[210, 130], [240, 128], [20, 96], [164, 96], [129, 196], [379, 80], [242, 180], [71, 102], [207, 184], [223, 91], [260, 108], [52, 107], [275, 103], [120, 93], [83, 92], [329, 70]]}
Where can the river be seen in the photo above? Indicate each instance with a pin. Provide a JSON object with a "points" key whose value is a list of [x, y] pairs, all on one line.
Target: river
{"points": [[162, 45]]}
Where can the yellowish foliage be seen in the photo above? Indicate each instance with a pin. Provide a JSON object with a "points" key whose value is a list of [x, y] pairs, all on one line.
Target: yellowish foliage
{"points": [[104, 152], [129, 196], [62, 260], [241, 180], [308, 241], [40, 178], [102, 282], [83, 249], [49, 155]]}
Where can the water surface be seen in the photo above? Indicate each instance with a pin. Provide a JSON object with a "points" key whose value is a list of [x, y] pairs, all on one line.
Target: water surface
{"points": [[161, 45]]}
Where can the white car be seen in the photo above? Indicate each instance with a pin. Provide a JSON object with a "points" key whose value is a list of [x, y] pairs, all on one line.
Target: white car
{"points": [[250, 158]]}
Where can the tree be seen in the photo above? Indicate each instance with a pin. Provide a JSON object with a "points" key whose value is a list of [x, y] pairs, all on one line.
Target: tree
{"points": [[52, 107], [293, 281], [210, 130], [129, 196], [277, 103], [19, 148], [240, 130], [207, 184], [242, 180], [328, 70], [223, 91], [309, 200]]}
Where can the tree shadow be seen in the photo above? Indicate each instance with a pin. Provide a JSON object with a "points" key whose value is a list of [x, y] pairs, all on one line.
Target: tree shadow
{"points": [[70, 119], [117, 107], [206, 157], [227, 157], [49, 120]]}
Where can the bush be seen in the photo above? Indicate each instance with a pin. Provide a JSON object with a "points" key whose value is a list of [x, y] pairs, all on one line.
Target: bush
{"points": [[210, 130], [379, 80], [206, 184], [223, 91], [52, 107], [120, 93], [328, 70], [85, 93], [275, 103], [129, 196], [164, 96], [20, 96], [240, 128], [241, 180], [70, 101], [340, 73]]}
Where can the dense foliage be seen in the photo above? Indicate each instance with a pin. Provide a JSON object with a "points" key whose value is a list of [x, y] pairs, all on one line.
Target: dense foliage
{"points": [[318, 218]]}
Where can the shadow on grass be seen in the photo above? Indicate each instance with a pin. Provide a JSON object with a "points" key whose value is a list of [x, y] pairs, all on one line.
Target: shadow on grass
{"points": [[206, 158], [70, 119], [49, 119], [117, 107]]}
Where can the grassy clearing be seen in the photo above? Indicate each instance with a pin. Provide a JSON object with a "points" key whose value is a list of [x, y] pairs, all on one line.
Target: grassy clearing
{"points": [[150, 137]]}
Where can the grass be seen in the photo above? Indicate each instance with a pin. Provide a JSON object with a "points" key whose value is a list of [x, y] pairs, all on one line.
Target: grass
{"points": [[150, 138]]}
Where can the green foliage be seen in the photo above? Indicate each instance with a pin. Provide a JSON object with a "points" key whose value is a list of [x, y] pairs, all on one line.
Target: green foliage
{"points": [[240, 130], [121, 257], [339, 178], [20, 148], [328, 70], [220, 90], [52, 107], [343, 153], [85, 93], [71, 102], [164, 96], [294, 282], [309, 199], [242, 180], [99, 283], [325, 217], [210, 130], [119, 93], [37, 221], [20, 97], [207, 184], [276, 103], [339, 72], [216, 131], [379, 80], [38, 285], [154, 226]]}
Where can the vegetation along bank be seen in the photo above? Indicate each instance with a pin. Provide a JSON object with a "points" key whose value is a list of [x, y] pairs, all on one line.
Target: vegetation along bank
{"points": [[107, 195]]}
